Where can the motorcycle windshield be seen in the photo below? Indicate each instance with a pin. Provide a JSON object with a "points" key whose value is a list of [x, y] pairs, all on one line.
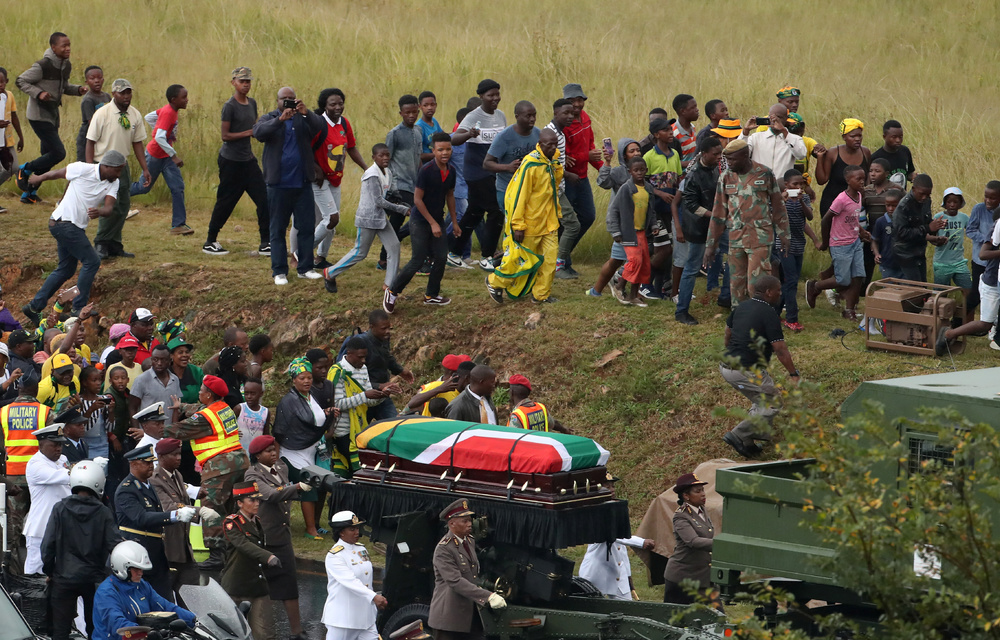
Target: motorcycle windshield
{"points": [[215, 610]]}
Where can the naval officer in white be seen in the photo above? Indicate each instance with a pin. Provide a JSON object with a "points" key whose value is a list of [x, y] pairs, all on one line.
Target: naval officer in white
{"points": [[610, 570], [351, 604], [47, 474]]}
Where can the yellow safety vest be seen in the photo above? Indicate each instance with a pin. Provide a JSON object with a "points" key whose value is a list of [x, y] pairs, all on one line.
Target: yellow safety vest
{"points": [[19, 420], [225, 432], [533, 416]]}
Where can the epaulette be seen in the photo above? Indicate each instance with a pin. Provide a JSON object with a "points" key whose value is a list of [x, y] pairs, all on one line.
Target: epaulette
{"points": [[127, 483], [337, 548], [445, 539]]}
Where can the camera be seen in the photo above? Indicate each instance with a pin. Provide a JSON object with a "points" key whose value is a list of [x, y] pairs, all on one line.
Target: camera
{"points": [[763, 122], [288, 103], [106, 398]]}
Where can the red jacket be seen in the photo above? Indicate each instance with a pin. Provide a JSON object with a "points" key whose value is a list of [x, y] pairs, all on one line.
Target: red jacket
{"points": [[579, 142]]}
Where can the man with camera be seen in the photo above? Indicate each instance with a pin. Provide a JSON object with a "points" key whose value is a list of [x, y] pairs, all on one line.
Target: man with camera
{"points": [[289, 171], [775, 148]]}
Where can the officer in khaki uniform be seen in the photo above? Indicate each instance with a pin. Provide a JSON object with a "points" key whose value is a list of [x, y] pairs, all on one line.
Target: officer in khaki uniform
{"points": [[748, 202], [453, 613], [243, 576], [693, 533]]}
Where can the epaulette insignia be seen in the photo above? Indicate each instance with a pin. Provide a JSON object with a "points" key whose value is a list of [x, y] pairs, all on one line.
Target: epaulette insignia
{"points": [[229, 526], [337, 549]]}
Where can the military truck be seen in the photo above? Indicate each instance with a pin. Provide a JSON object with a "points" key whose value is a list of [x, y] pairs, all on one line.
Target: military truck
{"points": [[523, 518], [762, 524]]}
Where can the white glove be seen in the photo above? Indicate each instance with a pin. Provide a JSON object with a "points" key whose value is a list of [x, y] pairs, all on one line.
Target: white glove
{"points": [[103, 462], [186, 514], [496, 602], [305, 487], [208, 515]]}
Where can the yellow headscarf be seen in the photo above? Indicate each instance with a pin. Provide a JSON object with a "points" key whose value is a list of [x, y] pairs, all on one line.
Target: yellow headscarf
{"points": [[848, 125]]}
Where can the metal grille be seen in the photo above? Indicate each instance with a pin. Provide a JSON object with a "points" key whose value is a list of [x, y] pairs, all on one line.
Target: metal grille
{"points": [[925, 449]]}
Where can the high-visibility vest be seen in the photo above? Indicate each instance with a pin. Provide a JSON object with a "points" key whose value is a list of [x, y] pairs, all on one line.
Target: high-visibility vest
{"points": [[533, 415], [225, 432], [19, 420]]}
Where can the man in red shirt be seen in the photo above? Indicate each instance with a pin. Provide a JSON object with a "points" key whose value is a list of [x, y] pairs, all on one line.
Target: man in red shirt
{"points": [[580, 152], [140, 327], [161, 157]]}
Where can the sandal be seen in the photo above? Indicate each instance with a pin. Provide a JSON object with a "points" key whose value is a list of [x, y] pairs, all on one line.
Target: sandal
{"points": [[310, 536]]}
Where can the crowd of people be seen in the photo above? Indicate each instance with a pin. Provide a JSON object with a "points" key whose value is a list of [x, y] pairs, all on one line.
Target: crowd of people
{"points": [[730, 200], [134, 434], [118, 445]]}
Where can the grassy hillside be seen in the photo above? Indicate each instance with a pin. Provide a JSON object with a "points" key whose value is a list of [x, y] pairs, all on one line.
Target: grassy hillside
{"points": [[921, 62]]}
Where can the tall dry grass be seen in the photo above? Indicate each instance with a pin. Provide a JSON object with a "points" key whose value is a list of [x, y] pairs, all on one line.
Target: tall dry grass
{"points": [[931, 65]]}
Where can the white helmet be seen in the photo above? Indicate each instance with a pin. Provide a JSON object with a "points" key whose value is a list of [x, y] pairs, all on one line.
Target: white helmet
{"points": [[89, 475], [126, 555]]}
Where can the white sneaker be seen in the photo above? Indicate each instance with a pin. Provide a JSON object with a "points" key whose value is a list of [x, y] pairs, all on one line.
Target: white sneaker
{"points": [[994, 345], [455, 261], [312, 274], [993, 332], [131, 214], [280, 280], [486, 264], [469, 262]]}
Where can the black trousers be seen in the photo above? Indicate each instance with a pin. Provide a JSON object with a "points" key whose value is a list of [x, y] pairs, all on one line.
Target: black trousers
{"points": [[235, 179], [482, 201], [973, 300], [53, 151], [62, 606], [398, 220], [913, 268], [424, 246]]}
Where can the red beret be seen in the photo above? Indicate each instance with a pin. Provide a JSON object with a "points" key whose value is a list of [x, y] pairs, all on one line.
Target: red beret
{"points": [[521, 380], [451, 361], [167, 445], [260, 443], [216, 385]]}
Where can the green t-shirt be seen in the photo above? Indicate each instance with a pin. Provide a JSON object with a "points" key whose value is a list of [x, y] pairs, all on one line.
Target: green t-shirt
{"points": [[950, 256], [664, 171]]}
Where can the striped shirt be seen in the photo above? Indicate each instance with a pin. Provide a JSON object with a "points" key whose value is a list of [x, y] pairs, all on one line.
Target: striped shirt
{"points": [[340, 399], [687, 140], [796, 208], [561, 145]]}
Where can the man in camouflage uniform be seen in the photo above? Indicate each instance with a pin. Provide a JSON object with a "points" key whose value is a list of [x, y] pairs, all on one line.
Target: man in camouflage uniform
{"points": [[748, 201], [215, 443]]}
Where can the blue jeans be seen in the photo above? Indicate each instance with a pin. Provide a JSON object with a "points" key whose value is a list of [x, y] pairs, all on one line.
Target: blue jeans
{"points": [[382, 411], [696, 252], [73, 246], [720, 266], [175, 182], [581, 196], [295, 204], [791, 270]]}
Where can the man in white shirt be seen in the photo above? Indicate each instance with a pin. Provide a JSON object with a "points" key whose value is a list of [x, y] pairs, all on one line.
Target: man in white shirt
{"points": [[775, 148], [47, 474], [91, 194], [607, 567]]}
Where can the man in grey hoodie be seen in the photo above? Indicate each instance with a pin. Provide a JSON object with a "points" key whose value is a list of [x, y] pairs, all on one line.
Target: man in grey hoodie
{"points": [[45, 83]]}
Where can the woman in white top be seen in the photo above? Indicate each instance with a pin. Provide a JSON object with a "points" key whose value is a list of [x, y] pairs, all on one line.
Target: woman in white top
{"points": [[299, 423], [351, 604]]}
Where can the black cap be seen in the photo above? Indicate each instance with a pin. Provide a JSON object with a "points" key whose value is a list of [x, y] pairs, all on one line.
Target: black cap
{"points": [[17, 338], [143, 453], [660, 124]]}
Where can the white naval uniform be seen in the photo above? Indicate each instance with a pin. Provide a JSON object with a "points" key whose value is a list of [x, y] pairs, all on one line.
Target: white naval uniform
{"points": [[349, 612], [610, 573], [48, 483]]}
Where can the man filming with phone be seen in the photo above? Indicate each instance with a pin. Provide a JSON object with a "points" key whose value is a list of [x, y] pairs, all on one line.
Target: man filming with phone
{"points": [[289, 171], [775, 148]]}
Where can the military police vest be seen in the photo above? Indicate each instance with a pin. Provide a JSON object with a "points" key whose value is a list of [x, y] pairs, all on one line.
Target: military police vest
{"points": [[225, 432], [19, 420]]}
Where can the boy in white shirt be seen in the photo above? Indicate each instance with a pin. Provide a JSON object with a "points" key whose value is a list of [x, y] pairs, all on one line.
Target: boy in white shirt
{"points": [[91, 194]]}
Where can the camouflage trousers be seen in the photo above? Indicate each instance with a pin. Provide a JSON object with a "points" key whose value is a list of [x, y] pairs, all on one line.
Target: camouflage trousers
{"points": [[17, 510], [745, 266], [218, 475]]}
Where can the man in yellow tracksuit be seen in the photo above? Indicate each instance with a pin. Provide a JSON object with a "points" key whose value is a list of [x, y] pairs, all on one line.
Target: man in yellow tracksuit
{"points": [[532, 226]]}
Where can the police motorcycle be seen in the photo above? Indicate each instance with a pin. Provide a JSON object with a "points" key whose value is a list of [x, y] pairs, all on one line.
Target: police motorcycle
{"points": [[216, 618]]}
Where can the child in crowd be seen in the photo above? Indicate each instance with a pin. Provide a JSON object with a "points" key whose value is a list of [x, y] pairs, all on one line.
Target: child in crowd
{"points": [[435, 189], [613, 179], [94, 99], [629, 219], [981, 222], [253, 419], [664, 166], [799, 208], [950, 264], [846, 237], [404, 142], [372, 219], [8, 114], [882, 236], [901, 169], [161, 157], [95, 410], [876, 189], [436, 407], [428, 125]]}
